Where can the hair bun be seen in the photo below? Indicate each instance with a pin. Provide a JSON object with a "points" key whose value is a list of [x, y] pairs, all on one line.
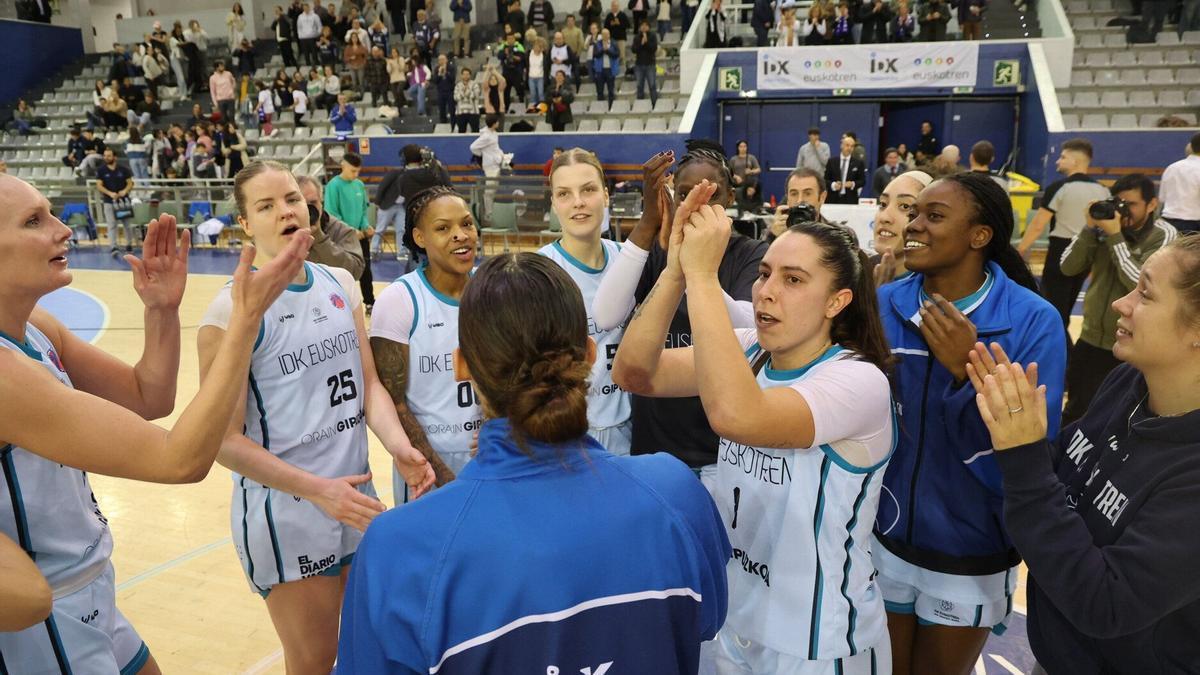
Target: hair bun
{"points": [[548, 394]]}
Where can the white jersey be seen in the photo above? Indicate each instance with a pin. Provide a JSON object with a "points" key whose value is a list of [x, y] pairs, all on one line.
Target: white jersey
{"points": [[48, 509], [608, 405], [799, 520], [412, 312], [305, 399]]}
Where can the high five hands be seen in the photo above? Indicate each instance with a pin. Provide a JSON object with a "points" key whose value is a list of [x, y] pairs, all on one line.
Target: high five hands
{"points": [[1011, 403], [699, 235]]}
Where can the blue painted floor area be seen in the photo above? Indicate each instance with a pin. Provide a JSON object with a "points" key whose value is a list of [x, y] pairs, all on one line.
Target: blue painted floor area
{"points": [[79, 311], [83, 314], [210, 261]]}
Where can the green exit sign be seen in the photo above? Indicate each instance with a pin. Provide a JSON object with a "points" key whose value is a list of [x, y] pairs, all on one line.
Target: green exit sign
{"points": [[843, 92], [730, 78]]}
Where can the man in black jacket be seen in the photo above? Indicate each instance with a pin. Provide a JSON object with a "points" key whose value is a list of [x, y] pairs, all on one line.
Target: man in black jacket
{"points": [[398, 187], [284, 35], [762, 18], [845, 175], [874, 17], [645, 53]]}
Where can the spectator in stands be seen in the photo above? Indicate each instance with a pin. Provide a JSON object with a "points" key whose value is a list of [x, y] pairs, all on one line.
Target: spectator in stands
{"points": [[300, 102], [527, 41], [983, 154], [514, 21], [813, 155], [294, 11], [397, 10], [389, 201], [334, 243], [933, 17], [539, 67], [887, 173], [327, 47], [114, 183], [375, 75], [197, 59], [243, 59], [434, 15], [970, 18], [468, 99], [355, 56], [790, 29], [845, 174], [425, 36], [688, 9], [357, 30], [233, 148], [616, 22], [128, 91], [378, 35], [804, 186], [842, 28], [1181, 190], [495, 101], [904, 24], [1064, 209], [137, 152], [346, 200], [645, 54], [874, 17], [397, 69], [589, 12], [744, 168], [443, 78], [540, 17], [343, 23], [906, 157], [343, 116], [487, 148], [513, 66], [154, 69], [221, 89], [639, 11], [460, 35], [1113, 251], [1154, 14], [928, 146], [235, 24], [562, 56], [606, 65], [148, 110], [418, 82], [816, 26], [715, 26], [114, 110], [24, 120], [372, 11], [308, 30], [585, 56], [75, 148], [762, 20], [560, 97], [284, 36], [265, 108]]}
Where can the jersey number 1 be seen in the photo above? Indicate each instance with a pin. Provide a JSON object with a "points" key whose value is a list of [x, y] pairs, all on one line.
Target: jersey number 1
{"points": [[341, 388]]}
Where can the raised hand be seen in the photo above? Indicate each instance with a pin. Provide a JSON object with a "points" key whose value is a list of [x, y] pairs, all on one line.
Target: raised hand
{"points": [[160, 275], [885, 271], [697, 198], [705, 237], [651, 222], [982, 363], [1013, 406], [949, 334], [340, 499], [255, 291]]}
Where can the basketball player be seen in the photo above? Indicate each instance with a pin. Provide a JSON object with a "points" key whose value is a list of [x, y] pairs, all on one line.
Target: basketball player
{"points": [[579, 197], [70, 409], [302, 492], [414, 332], [947, 566], [804, 414]]}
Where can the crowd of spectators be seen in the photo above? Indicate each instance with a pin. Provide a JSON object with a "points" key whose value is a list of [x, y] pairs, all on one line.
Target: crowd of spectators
{"points": [[784, 24]]}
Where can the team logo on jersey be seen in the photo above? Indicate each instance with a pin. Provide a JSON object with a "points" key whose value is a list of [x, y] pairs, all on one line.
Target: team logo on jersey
{"points": [[337, 301], [318, 315], [54, 359]]}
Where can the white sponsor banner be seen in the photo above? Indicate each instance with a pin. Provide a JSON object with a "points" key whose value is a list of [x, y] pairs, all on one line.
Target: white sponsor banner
{"points": [[891, 66]]}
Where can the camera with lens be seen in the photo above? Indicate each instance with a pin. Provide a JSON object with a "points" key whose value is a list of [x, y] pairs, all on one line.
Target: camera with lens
{"points": [[1109, 208], [801, 213]]}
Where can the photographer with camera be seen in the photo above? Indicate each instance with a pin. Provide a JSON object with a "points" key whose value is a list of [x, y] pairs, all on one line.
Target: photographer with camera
{"points": [[805, 196], [334, 243], [1122, 232]]}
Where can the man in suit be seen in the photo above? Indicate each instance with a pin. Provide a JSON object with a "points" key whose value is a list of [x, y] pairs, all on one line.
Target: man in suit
{"points": [[884, 174], [845, 174]]}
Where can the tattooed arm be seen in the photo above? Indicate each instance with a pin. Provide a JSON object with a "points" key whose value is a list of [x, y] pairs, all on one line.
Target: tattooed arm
{"points": [[391, 363]]}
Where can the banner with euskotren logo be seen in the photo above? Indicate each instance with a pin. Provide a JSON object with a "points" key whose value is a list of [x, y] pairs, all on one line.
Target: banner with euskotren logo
{"points": [[891, 66]]}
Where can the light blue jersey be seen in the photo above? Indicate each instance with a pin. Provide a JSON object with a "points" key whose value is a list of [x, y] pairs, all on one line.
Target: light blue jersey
{"points": [[801, 576], [48, 508], [608, 405], [413, 312]]}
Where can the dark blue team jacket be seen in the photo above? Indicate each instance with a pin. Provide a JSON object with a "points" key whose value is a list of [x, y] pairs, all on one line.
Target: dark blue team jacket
{"points": [[571, 561]]}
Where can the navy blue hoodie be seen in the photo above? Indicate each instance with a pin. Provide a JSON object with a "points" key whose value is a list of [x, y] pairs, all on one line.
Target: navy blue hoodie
{"points": [[1111, 540]]}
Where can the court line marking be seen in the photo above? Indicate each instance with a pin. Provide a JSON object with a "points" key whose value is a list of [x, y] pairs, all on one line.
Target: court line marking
{"points": [[174, 562], [1005, 663], [103, 307], [265, 664]]}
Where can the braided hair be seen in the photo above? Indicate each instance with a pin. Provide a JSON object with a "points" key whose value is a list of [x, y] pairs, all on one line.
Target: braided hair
{"points": [[703, 150], [416, 207], [993, 209]]}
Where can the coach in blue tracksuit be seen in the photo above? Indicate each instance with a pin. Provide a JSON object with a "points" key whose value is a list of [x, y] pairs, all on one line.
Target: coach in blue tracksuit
{"points": [[947, 567], [1109, 534], [547, 554]]}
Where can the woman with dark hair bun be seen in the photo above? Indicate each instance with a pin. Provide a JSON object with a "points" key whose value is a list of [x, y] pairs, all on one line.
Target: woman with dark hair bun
{"points": [[547, 553], [947, 567]]}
